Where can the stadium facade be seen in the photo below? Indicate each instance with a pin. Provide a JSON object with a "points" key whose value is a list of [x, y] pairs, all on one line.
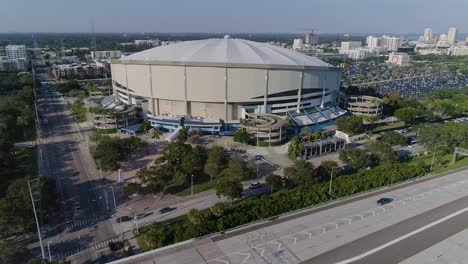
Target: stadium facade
{"points": [[213, 83]]}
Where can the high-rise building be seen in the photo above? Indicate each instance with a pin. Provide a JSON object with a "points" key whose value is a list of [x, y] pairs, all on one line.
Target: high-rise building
{"points": [[392, 43], [373, 42], [311, 38], [452, 35], [18, 56], [428, 34], [347, 45]]}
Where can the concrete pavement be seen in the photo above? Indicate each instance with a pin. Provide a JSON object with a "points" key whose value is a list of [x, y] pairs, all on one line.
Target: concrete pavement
{"points": [[311, 238]]}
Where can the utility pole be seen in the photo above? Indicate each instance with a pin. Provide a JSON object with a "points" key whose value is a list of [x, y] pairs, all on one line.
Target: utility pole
{"points": [[35, 215], [331, 180], [191, 184], [107, 201]]}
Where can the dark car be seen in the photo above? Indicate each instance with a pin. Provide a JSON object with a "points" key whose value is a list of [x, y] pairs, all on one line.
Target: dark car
{"points": [[114, 246], [165, 210], [383, 201], [258, 157], [254, 186], [124, 218]]}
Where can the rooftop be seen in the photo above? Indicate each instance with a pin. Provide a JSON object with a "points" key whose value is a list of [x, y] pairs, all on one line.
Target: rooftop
{"points": [[226, 51]]}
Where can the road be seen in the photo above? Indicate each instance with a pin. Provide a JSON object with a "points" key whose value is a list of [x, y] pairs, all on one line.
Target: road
{"points": [[415, 220], [63, 156]]}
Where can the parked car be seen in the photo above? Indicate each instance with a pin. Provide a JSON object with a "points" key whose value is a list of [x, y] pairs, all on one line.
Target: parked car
{"points": [[254, 186], [124, 218], [383, 201], [166, 209]]}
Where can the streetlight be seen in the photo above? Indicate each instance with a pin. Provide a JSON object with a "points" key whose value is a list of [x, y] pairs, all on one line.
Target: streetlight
{"points": [[191, 184], [135, 219], [331, 180], [100, 169], [48, 247], [433, 157], [113, 196], [35, 217]]}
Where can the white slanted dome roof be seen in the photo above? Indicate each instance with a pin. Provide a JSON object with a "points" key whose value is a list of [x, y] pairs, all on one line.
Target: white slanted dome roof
{"points": [[226, 51]]}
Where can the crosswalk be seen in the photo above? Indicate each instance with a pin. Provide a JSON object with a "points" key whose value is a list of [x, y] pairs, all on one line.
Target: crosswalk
{"points": [[82, 222]]}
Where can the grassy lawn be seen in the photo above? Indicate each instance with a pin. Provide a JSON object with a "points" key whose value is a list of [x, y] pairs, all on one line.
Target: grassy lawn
{"points": [[199, 187], [442, 163], [389, 126], [27, 161]]}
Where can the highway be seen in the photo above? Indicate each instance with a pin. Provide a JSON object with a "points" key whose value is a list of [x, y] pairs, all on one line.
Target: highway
{"points": [[423, 213]]}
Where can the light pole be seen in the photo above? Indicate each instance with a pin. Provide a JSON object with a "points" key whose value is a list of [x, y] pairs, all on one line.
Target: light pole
{"points": [[35, 217], [107, 201], [433, 157], [48, 247], [331, 181], [191, 184], [135, 219], [113, 196]]}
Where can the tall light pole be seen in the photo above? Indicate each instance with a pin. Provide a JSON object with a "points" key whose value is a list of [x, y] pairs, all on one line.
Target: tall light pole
{"points": [[48, 247], [331, 180], [113, 196], [107, 201], [191, 184], [35, 217], [135, 219]]}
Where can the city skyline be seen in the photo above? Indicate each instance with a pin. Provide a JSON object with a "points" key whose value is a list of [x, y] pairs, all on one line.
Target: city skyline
{"points": [[361, 16]]}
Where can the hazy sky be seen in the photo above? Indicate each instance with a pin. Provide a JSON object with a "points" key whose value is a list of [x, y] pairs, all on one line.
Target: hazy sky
{"points": [[328, 16]]}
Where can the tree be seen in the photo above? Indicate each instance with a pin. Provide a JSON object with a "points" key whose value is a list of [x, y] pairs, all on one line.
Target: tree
{"points": [[12, 254], [325, 169], [242, 136], [274, 181], [218, 209], [351, 125], [302, 172], [192, 162], [393, 138], [156, 134], [145, 126], [195, 217], [157, 177], [236, 168], [216, 161], [230, 188], [296, 147], [354, 157], [408, 114]]}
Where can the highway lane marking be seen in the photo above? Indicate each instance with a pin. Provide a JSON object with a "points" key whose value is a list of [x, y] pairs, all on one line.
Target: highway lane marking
{"points": [[333, 225], [419, 230]]}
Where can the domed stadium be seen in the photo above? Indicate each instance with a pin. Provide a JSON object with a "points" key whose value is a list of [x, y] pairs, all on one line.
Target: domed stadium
{"points": [[214, 83]]}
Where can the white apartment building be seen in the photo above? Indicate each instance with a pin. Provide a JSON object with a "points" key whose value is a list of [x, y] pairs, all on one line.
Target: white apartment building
{"points": [[460, 51], [373, 42], [298, 44], [360, 53], [427, 35], [392, 43], [452, 35], [348, 45], [106, 54], [398, 58], [18, 56]]}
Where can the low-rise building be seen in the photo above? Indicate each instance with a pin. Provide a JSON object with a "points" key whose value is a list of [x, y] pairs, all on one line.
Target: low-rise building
{"points": [[460, 51], [78, 71], [347, 45], [106, 54], [398, 58], [365, 105]]}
